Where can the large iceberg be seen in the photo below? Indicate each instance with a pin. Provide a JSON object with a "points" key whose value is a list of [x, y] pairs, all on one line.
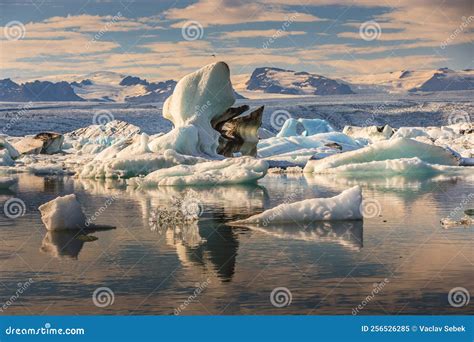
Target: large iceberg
{"points": [[386, 150], [345, 206], [197, 99], [206, 128]]}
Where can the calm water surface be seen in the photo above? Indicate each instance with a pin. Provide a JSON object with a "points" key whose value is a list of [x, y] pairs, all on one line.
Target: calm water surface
{"points": [[329, 268]]}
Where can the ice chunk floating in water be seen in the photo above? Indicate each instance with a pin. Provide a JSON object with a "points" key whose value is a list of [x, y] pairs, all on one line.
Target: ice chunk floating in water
{"points": [[219, 172], [133, 165], [345, 206], [63, 213], [404, 166], [385, 150], [299, 149]]}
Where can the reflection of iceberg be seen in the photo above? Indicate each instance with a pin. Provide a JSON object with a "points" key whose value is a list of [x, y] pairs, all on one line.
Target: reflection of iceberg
{"points": [[67, 243], [62, 244], [346, 233], [186, 234], [201, 245], [408, 186], [231, 200]]}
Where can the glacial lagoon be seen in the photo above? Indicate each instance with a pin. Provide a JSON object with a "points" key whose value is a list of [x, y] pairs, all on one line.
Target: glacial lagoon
{"points": [[400, 248]]}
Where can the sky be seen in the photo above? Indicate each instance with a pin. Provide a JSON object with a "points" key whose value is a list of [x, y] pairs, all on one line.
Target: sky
{"points": [[160, 40]]}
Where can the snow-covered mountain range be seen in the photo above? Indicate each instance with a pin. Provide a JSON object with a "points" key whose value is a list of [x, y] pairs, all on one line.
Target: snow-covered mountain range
{"points": [[281, 81], [107, 86], [114, 87], [442, 79], [37, 91]]}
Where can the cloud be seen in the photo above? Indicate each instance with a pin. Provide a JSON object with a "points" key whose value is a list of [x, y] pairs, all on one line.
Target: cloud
{"points": [[91, 23], [229, 12], [64, 38], [64, 27], [187, 56], [259, 33], [81, 43], [428, 23]]}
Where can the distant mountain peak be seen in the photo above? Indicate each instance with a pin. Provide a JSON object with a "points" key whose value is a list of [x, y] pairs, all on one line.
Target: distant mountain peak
{"points": [[37, 91], [133, 80], [282, 81], [432, 80]]}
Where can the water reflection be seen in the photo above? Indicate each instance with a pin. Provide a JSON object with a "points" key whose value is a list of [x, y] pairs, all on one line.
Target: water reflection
{"points": [[406, 185], [185, 234], [203, 245], [59, 244], [221, 249], [346, 233], [242, 265], [54, 184]]}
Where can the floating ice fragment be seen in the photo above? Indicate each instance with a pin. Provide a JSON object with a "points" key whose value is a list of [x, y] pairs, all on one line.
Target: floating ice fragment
{"points": [[63, 213], [298, 150], [403, 166], [219, 172], [132, 166], [5, 158], [386, 150], [464, 221], [345, 206], [5, 146]]}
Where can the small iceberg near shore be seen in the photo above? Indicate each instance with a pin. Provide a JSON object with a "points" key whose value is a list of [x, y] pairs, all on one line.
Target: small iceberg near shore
{"points": [[63, 213], [345, 206]]}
